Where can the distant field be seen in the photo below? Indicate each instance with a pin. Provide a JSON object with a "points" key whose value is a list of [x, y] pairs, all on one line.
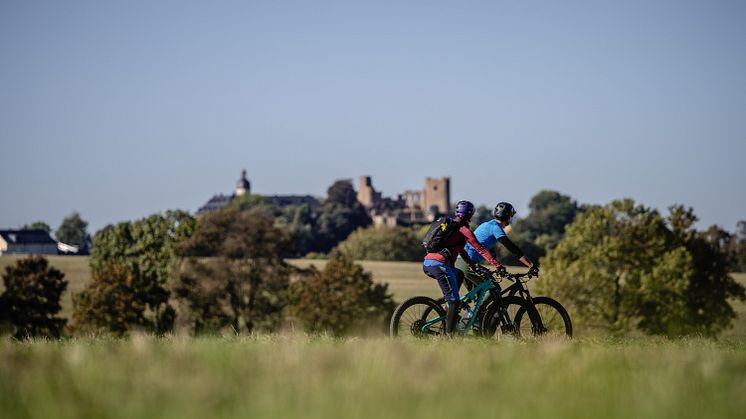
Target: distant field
{"points": [[405, 279]]}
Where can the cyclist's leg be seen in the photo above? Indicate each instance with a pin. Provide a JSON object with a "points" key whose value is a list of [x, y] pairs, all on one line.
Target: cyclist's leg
{"points": [[472, 279], [447, 278]]}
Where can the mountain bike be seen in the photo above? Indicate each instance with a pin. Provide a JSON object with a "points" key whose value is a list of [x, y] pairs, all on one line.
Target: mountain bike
{"points": [[512, 311]]}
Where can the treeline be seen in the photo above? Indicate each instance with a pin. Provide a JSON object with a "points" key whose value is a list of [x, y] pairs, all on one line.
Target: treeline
{"points": [[618, 267], [223, 272]]}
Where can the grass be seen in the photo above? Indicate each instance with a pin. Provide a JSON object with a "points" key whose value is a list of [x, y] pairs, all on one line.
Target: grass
{"points": [[318, 377], [295, 375]]}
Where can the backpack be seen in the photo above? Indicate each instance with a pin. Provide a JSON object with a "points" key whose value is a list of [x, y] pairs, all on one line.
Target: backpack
{"points": [[440, 229]]}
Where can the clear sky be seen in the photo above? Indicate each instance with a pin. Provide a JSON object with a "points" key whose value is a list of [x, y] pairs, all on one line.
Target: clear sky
{"points": [[122, 109]]}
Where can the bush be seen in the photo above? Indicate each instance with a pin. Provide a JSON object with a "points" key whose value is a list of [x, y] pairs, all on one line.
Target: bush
{"points": [[383, 243], [340, 299], [32, 298]]}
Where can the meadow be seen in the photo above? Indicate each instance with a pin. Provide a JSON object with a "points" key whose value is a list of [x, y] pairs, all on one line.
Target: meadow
{"points": [[296, 375]]}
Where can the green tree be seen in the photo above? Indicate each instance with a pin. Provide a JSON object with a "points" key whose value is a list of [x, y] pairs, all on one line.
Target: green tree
{"points": [[340, 299], [232, 273], [297, 221], [550, 212], [110, 302], [31, 298], [340, 214], [38, 225], [383, 243], [620, 268], [73, 231], [481, 215], [147, 248]]}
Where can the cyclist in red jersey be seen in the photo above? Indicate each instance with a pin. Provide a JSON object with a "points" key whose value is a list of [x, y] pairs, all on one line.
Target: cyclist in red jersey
{"points": [[440, 266]]}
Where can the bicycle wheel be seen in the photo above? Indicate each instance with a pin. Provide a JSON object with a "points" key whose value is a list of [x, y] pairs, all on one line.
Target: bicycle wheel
{"points": [[491, 322], [554, 319], [411, 316]]}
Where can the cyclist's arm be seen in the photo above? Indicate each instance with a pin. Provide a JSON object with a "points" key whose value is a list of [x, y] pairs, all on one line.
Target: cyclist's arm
{"points": [[515, 250], [465, 256], [478, 247]]}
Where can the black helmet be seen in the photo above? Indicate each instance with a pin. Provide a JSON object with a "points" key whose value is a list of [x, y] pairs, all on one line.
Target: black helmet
{"points": [[504, 211]]}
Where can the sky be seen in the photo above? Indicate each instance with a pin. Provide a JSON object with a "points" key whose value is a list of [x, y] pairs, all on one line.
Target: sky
{"points": [[122, 109]]}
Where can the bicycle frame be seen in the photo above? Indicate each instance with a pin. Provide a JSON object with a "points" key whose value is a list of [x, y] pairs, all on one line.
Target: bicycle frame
{"points": [[476, 294]]}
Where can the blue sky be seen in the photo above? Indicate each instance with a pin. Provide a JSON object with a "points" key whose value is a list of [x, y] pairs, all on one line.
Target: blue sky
{"points": [[122, 109]]}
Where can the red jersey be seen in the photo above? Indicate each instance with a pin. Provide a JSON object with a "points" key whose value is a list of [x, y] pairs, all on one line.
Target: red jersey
{"points": [[455, 244]]}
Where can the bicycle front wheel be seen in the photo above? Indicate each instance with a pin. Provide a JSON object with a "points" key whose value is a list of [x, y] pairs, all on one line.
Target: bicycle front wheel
{"points": [[418, 317], [495, 323], [548, 318]]}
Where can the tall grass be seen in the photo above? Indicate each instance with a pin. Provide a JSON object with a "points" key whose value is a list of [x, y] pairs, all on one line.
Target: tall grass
{"points": [[320, 377]]}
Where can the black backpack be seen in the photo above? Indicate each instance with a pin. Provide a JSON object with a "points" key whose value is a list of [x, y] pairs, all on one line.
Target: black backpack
{"points": [[440, 229]]}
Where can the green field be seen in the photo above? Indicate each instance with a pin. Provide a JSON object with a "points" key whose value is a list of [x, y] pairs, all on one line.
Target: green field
{"points": [[300, 377], [292, 375]]}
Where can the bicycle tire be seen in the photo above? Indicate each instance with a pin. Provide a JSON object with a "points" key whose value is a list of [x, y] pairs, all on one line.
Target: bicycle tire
{"points": [[490, 320], [415, 311], [554, 318]]}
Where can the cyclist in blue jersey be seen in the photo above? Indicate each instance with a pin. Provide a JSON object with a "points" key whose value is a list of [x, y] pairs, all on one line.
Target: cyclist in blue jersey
{"points": [[439, 266], [488, 234]]}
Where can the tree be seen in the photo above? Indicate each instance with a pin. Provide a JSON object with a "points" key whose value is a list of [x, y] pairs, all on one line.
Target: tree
{"points": [[110, 302], [38, 225], [482, 215], [31, 298], [621, 267], [144, 250], [73, 231], [340, 215], [340, 299], [232, 273], [550, 212], [737, 247], [383, 243], [297, 221], [710, 286]]}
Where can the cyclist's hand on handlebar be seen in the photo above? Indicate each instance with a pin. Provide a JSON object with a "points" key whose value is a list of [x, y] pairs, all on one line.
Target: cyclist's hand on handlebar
{"points": [[501, 271], [533, 271], [481, 271]]}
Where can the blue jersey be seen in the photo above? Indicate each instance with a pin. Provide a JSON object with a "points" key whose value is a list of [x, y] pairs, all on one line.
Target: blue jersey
{"points": [[487, 234]]}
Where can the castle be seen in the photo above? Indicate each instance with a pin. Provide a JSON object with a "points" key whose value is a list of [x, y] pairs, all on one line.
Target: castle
{"points": [[410, 207]]}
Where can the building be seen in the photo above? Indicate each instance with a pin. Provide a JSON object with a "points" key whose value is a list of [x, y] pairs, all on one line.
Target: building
{"points": [[27, 242], [410, 207], [243, 187]]}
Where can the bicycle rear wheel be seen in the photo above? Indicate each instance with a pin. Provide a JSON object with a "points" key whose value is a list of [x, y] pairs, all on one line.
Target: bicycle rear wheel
{"points": [[411, 317], [554, 319]]}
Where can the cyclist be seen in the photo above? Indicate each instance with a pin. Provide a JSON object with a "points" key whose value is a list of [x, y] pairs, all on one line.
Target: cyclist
{"points": [[440, 266], [488, 234]]}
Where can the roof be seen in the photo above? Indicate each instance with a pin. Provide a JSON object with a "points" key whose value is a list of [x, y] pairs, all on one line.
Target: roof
{"points": [[27, 237], [217, 202]]}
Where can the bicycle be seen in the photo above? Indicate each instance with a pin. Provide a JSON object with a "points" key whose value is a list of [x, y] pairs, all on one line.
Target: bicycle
{"points": [[512, 310]]}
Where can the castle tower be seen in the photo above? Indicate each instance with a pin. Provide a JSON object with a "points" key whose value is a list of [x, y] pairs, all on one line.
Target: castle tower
{"points": [[243, 186], [437, 195], [365, 192]]}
